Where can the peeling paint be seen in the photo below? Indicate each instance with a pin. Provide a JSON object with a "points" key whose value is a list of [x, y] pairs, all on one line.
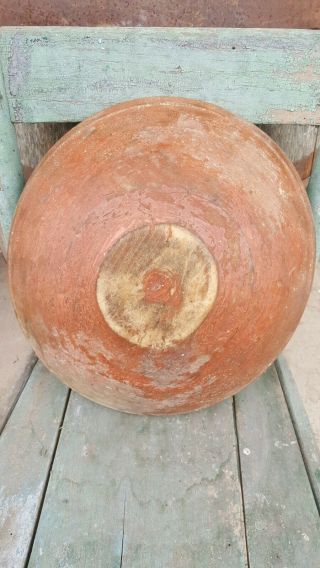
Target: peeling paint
{"points": [[195, 247]]}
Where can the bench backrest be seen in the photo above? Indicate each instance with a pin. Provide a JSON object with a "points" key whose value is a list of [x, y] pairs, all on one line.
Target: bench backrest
{"points": [[65, 74]]}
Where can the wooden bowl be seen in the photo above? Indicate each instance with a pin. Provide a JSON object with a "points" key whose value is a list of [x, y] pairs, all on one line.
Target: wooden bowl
{"points": [[161, 255]]}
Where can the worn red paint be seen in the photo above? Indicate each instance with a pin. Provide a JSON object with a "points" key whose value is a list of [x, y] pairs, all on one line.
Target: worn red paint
{"points": [[232, 13], [162, 163]]}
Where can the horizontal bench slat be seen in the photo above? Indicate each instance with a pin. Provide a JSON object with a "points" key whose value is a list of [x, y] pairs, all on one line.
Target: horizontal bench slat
{"points": [[65, 74]]}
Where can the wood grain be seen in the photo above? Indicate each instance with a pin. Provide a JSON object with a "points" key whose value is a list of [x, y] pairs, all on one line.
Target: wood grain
{"points": [[35, 140], [314, 192], [141, 492], [298, 142], [11, 176], [166, 304], [282, 521], [26, 447], [66, 74], [17, 358], [311, 454]]}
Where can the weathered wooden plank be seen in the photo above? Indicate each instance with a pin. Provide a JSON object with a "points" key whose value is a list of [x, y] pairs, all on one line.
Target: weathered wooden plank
{"points": [[309, 448], [17, 358], [26, 447], [66, 74], [298, 143], [303, 357], [314, 192], [35, 140], [11, 178], [282, 521], [142, 492]]}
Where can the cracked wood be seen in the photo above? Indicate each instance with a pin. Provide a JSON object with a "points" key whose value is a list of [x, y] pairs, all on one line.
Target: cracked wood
{"points": [[147, 491]]}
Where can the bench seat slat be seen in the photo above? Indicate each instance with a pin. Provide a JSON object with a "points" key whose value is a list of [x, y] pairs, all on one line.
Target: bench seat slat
{"points": [[26, 448], [282, 521], [142, 492]]}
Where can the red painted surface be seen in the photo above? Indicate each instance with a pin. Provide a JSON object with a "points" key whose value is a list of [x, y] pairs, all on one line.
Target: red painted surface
{"points": [[162, 287], [229, 13], [145, 163]]}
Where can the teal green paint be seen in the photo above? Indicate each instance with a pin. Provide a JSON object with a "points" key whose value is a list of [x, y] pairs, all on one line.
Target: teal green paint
{"points": [[11, 176], [270, 76], [309, 447], [282, 520], [314, 196], [26, 447], [143, 492], [263, 75]]}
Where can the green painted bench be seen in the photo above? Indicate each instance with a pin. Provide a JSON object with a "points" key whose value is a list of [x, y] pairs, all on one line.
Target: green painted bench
{"points": [[83, 486]]}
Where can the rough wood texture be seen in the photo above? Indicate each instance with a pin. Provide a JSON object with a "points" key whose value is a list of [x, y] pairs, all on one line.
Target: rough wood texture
{"points": [[301, 423], [26, 447], [162, 288], [66, 74], [314, 192], [242, 13], [244, 225], [282, 521], [303, 356], [298, 142], [11, 175], [141, 492], [35, 140], [17, 357]]}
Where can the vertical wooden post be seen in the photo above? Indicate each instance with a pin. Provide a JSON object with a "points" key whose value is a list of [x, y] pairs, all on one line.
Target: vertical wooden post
{"points": [[11, 175], [314, 192]]}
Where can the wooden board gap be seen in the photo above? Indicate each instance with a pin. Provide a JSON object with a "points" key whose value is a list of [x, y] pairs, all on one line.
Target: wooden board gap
{"points": [[28, 373], [47, 478], [307, 444], [240, 476]]}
